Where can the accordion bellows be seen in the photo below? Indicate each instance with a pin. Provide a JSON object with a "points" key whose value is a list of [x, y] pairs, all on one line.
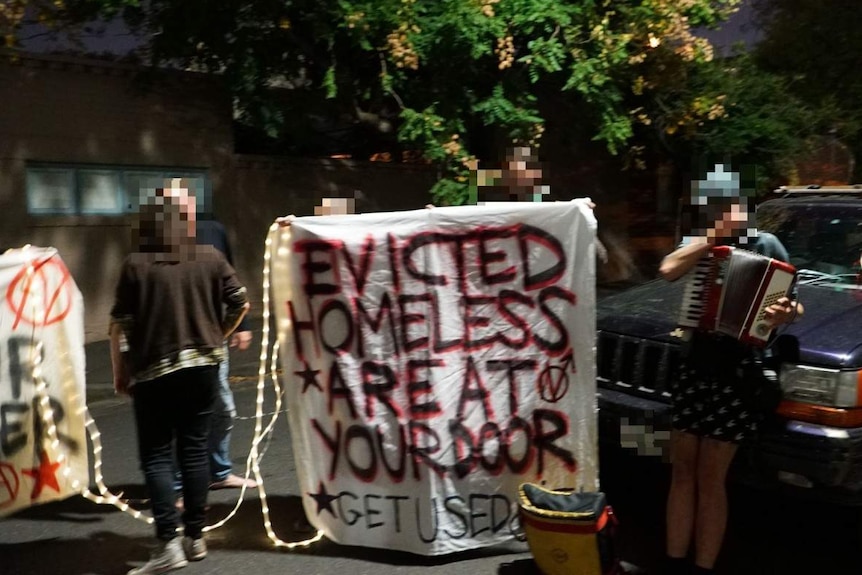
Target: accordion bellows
{"points": [[729, 290], [569, 533]]}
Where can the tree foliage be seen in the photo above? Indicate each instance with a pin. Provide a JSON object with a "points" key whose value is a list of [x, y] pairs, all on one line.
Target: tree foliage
{"points": [[455, 78], [733, 110], [813, 45]]}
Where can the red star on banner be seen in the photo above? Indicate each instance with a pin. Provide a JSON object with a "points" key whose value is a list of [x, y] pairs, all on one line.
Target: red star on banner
{"points": [[44, 475]]}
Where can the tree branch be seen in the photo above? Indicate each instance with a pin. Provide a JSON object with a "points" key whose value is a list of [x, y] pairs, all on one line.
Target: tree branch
{"points": [[386, 73]]}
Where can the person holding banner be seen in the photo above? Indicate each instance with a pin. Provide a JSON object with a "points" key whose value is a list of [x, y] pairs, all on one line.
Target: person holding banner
{"points": [[715, 401], [175, 304], [518, 181]]}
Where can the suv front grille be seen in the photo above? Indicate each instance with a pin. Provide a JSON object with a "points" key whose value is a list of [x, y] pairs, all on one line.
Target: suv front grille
{"points": [[644, 367]]}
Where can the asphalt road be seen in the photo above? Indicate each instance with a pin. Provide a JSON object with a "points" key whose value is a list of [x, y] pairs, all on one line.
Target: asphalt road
{"points": [[768, 533], [78, 537]]}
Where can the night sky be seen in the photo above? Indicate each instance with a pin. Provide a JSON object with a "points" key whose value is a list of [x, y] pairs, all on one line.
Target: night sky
{"points": [[117, 40]]}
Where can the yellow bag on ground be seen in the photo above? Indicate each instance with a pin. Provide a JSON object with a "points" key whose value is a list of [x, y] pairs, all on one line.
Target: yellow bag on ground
{"points": [[569, 533]]}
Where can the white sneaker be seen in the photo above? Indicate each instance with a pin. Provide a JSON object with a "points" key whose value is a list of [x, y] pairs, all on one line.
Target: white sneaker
{"points": [[196, 549], [167, 556]]}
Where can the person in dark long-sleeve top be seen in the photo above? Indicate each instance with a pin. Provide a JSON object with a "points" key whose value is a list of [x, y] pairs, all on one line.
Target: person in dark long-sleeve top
{"points": [[175, 304]]}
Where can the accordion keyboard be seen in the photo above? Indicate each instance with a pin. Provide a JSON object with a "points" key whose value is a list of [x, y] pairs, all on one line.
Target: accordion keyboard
{"points": [[694, 301]]}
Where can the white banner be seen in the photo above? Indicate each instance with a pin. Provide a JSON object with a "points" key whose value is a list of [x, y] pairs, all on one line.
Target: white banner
{"points": [[43, 446], [434, 360]]}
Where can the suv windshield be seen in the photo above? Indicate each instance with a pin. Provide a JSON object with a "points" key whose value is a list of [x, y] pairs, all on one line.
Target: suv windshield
{"points": [[824, 240]]}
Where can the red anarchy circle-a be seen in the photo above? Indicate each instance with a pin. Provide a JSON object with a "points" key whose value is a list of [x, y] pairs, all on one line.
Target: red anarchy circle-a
{"points": [[56, 293]]}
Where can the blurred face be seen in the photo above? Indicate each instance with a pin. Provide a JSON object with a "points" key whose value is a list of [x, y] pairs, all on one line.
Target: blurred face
{"points": [[335, 207], [181, 197], [730, 221], [167, 220], [160, 227], [523, 174]]}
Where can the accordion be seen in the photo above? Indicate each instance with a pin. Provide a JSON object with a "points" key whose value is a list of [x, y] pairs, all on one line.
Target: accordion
{"points": [[729, 290]]}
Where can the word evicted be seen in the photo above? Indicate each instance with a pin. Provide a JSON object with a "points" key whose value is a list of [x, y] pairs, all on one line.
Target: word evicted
{"points": [[501, 301]]}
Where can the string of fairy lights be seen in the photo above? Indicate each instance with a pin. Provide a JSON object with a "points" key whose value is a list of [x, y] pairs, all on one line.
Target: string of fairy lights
{"points": [[105, 496]]}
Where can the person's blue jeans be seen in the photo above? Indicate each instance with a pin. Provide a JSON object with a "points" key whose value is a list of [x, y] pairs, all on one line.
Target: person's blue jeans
{"points": [[224, 413], [176, 407]]}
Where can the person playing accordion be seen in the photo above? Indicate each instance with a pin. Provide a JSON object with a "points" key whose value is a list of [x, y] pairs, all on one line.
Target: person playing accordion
{"points": [[716, 398]]}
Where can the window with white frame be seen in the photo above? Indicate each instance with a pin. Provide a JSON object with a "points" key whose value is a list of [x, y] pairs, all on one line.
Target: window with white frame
{"points": [[62, 189]]}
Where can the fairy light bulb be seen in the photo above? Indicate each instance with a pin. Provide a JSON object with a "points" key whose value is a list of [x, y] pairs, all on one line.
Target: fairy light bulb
{"points": [[104, 496], [254, 455]]}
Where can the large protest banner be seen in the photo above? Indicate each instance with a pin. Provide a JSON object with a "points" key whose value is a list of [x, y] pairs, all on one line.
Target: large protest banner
{"points": [[434, 360], [43, 446]]}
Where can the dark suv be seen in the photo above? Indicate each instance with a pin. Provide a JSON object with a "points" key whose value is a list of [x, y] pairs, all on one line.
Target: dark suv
{"points": [[812, 443]]}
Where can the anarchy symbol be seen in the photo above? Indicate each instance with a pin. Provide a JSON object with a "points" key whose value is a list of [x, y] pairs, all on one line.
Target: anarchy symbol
{"points": [[553, 383], [554, 380], [40, 295]]}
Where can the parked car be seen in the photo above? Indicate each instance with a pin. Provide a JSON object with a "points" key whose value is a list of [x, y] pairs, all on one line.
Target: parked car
{"points": [[812, 443]]}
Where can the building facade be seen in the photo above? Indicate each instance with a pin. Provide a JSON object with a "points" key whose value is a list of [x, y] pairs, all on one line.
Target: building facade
{"points": [[83, 141]]}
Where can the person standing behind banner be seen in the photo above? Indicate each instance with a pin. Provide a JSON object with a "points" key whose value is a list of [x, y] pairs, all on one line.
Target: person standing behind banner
{"points": [[715, 404], [211, 232], [518, 181], [175, 304], [327, 207]]}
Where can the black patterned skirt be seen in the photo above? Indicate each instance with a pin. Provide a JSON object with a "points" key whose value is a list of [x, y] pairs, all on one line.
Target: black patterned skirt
{"points": [[719, 391]]}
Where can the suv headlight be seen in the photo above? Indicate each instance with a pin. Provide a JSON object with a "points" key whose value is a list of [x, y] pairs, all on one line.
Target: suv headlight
{"points": [[833, 387]]}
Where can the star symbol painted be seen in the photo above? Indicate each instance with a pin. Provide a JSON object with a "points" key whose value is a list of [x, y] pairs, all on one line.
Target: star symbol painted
{"points": [[45, 474], [309, 378], [324, 500]]}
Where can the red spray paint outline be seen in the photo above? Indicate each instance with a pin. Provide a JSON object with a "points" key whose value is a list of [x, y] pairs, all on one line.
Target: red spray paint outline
{"points": [[61, 289]]}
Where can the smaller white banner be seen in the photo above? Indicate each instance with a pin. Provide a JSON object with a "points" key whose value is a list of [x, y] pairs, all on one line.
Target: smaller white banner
{"points": [[43, 446]]}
